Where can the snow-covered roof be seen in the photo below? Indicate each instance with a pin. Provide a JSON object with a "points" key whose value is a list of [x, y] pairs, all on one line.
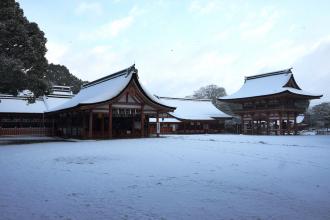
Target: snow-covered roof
{"points": [[194, 109], [54, 101], [105, 89], [269, 84], [165, 120], [20, 104]]}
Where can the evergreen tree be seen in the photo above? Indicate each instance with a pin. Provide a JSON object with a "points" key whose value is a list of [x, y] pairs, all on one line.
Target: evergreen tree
{"points": [[22, 52], [60, 75], [319, 115]]}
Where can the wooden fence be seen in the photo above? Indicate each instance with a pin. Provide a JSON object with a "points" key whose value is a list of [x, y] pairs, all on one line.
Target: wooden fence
{"points": [[26, 131]]}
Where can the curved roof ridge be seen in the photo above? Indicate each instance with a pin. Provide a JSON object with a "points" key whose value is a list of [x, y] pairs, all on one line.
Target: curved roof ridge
{"points": [[122, 72], [184, 99], [59, 96], [274, 73]]}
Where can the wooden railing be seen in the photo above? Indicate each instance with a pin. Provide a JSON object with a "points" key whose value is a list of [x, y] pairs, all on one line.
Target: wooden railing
{"points": [[323, 132], [26, 131], [163, 130]]}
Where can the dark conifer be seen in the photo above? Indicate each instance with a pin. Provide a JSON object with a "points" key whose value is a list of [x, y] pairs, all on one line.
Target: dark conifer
{"points": [[22, 52]]}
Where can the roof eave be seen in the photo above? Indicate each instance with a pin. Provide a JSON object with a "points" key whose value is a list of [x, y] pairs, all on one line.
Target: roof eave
{"points": [[225, 117], [279, 93], [134, 77]]}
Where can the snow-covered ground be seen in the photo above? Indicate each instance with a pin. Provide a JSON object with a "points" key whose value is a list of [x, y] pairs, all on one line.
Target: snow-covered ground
{"points": [[177, 177]]}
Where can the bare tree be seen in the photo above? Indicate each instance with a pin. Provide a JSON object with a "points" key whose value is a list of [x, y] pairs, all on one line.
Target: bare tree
{"points": [[210, 92]]}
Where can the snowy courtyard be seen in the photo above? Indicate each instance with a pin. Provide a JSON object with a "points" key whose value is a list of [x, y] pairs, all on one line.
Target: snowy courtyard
{"points": [[173, 177]]}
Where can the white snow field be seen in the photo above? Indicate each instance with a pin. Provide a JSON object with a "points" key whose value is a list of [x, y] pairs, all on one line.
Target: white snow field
{"points": [[174, 177]]}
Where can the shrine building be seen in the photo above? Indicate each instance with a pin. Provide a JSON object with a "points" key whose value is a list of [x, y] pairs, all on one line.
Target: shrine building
{"points": [[191, 116], [270, 103], [115, 106]]}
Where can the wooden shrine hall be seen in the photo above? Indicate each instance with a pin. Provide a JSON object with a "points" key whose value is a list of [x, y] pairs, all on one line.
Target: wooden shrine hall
{"points": [[20, 117], [115, 106], [269, 103], [191, 116]]}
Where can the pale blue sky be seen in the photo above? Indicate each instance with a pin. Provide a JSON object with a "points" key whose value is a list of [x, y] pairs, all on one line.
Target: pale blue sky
{"points": [[179, 46]]}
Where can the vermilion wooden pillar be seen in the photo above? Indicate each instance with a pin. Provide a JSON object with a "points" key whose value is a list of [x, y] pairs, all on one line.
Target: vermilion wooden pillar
{"points": [[142, 120], [110, 122], [147, 130], [295, 124], [90, 129]]}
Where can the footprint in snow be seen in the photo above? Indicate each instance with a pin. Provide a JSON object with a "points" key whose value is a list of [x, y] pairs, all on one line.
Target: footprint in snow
{"points": [[74, 194], [132, 186]]}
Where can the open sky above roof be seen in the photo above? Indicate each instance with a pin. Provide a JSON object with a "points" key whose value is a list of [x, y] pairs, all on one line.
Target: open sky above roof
{"points": [[180, 46]]}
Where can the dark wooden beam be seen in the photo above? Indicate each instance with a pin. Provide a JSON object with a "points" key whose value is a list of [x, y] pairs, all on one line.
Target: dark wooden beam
{"points": [[102, 125], [90, 129], [83, 130], [268, 124]]}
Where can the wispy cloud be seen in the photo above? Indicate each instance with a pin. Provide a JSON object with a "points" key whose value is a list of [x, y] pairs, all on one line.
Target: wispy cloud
{"points": [[113, 28], [259, 25], [56, 51], [90, 8], [197, 42], [203, 7], [222, 35]]}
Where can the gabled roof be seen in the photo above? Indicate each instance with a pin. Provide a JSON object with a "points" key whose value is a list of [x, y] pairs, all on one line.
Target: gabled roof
{"points": [[193, 109], [108, 88], [52, 101], [269, 84]]}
